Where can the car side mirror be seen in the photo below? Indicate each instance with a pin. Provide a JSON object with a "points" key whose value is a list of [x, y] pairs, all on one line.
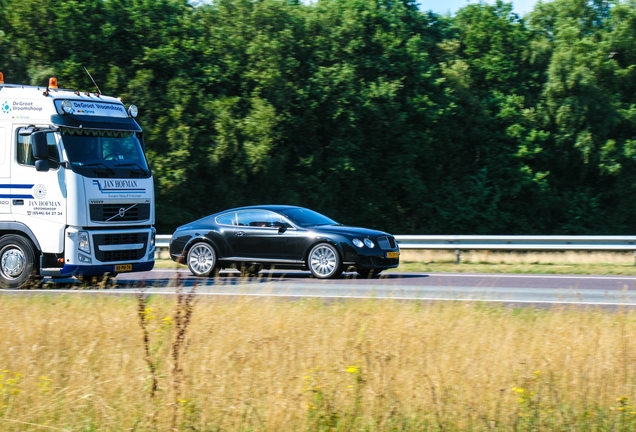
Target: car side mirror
{"points": [[281, 227]]}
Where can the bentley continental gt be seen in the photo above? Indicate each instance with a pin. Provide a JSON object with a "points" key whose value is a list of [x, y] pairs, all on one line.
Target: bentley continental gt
{"points": [[263, 237]]}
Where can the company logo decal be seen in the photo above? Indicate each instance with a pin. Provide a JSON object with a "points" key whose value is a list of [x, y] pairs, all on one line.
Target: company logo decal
{"points": [[20, 109], [98, 109], [32, 206], [39, 191], [21, 106], [118, 186]]}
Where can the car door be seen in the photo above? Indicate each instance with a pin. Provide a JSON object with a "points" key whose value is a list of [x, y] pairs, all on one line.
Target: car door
{"points": [[258, 236]]}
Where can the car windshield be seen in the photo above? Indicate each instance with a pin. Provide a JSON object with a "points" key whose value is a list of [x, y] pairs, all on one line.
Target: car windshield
{"points": [[305, 217]]}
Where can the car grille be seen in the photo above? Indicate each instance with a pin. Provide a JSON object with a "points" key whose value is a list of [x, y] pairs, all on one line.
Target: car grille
{"points": [[115, 213], [120, 239], [387, 243]]}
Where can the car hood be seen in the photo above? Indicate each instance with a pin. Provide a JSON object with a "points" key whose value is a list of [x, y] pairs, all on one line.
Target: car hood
{"points": [[348, 230]]}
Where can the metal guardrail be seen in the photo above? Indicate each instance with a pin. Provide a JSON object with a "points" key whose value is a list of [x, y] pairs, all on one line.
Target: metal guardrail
{"points": [[519, 243], [482, 242]]}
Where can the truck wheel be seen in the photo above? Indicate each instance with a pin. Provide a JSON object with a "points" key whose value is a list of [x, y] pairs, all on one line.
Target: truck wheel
{"points": [[16, 261]]}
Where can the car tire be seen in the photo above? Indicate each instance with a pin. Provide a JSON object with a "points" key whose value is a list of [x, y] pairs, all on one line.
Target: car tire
{"points": [[17, 261], [324, 261], [368, 273], [202, 260]]}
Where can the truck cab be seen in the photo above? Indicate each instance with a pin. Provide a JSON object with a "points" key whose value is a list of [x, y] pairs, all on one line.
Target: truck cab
{"points": [[76, 191]]}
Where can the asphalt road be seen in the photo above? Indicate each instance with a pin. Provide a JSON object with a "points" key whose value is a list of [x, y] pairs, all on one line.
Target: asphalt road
{"points": [[523, 289]]}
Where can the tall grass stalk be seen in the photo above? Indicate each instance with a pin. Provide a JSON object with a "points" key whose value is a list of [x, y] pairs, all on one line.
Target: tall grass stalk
{"points": [[182, 319], [77, 362]]}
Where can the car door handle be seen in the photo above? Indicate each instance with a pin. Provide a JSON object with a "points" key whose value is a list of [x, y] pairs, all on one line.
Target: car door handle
{"points": [[239, 233]]}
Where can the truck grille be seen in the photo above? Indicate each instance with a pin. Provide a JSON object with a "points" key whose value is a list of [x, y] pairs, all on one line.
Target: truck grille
{"points": [[116, 213], [387, 243], [120, 239]]}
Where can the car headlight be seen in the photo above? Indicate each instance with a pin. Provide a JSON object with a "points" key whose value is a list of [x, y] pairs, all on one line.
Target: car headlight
{"points": [[357, 243], [368, 243], [83, 242]]}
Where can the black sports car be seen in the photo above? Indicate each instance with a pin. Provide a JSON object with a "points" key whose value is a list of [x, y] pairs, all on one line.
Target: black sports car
{"points": [[282, 237]]}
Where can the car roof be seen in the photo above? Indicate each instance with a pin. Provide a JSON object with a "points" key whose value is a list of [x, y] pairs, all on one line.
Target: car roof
{"points": [[271, 207]]}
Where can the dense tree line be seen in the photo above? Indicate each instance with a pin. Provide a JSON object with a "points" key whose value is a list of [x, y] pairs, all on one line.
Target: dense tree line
{"points": [[375, 112]]}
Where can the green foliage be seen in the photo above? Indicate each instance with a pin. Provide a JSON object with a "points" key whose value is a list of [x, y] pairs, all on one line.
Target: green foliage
{"points": [[374, 112]]}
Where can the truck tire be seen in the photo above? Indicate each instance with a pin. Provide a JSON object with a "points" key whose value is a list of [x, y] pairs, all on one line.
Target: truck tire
{"points": [[17, 261]]}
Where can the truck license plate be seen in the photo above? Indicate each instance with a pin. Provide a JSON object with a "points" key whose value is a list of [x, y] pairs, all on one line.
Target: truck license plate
{"points": [[123, 267], [392, 254]]}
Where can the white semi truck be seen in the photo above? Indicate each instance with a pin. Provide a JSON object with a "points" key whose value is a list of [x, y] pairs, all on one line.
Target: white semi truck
{"points": [[76, 192]]}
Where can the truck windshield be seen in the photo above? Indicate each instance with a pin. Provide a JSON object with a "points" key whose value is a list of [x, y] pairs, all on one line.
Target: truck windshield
{"points": [[96, 153]]}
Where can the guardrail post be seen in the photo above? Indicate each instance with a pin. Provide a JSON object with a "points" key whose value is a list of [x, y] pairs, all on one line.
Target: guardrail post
{"points": [[458, 255], [634, 257]]}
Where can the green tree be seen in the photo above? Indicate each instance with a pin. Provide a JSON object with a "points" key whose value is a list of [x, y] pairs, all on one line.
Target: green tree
{"points": [[586, 105], [494, 84]]}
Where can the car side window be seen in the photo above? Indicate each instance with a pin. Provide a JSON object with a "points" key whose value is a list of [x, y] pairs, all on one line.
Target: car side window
{"points": [[285, 223], [227, 219], [253, 218]]}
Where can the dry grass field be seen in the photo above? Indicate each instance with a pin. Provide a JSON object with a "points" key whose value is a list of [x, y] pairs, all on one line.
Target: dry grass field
{"points": [[80, 363]]}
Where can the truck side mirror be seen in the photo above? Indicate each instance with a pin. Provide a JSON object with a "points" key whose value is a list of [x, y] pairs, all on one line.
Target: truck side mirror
{"points": [[40, 150], [39, 145], [42, 165]]}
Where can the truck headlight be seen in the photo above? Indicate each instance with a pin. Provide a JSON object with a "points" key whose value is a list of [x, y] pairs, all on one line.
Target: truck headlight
{"points": [[83, 242], [67, 106]]}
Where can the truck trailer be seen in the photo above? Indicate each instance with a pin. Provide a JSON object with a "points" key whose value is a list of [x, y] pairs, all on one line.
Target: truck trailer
{"points": [[76, 190]]}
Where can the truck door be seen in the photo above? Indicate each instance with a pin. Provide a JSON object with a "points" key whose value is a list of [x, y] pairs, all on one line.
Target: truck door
{"points": [[37, 197]]}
